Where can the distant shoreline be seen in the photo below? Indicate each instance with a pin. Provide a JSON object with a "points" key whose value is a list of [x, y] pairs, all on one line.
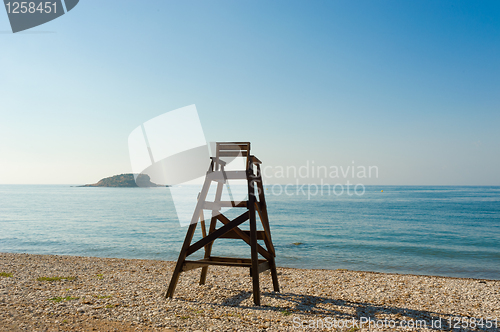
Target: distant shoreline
{"points": [[128, 180]]}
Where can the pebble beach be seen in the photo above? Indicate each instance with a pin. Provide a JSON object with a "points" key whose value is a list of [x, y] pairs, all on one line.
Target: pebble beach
{"points": [[69, 293]]}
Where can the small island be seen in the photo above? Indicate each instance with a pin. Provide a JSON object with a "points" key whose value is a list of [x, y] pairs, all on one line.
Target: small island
{"points": [[125, 180]]}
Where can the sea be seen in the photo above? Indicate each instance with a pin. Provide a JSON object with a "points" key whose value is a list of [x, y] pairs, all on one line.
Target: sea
{"points": [[425, 230]]}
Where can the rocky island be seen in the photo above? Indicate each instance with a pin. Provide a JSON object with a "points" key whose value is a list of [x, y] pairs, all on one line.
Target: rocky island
{"points": [[125, 180]]}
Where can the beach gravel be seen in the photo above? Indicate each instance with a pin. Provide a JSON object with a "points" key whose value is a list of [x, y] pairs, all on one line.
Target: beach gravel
{"points": [[68, 293]]}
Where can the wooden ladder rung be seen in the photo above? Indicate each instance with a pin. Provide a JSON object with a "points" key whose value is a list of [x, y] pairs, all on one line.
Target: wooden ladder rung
{"points": [[221, 261], [233, 235], [229, 175], [233, 259], [221, 204]]}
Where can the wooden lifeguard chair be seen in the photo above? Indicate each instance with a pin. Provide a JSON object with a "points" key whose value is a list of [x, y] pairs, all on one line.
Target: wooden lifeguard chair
{"points": [[230, 228]]}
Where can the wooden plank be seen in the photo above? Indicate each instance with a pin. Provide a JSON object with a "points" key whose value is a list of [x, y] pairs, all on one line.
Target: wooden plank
{"points": [[208, 250], [237, 153], [253, 243], [234, 143], [180, 260], [224, 261], [274, 275], [255, 160], [265, 223], [208, 247], [221, 204], [262, 208], [264, 267], [231, 146], [212, 262], [190, 265], [203, 226], [267, 237], [217, 233], [233, 235], [234, 259], [230, 175]]}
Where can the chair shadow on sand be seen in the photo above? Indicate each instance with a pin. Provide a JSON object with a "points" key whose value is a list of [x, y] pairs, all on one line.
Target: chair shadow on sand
{"points": [[307, 305]]}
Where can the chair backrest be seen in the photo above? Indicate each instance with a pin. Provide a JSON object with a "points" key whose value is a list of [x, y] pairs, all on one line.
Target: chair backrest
{"points": [[232, 150]]}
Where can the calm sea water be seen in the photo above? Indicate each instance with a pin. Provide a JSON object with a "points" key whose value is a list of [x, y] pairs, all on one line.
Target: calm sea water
{"points": [[448, 231]]}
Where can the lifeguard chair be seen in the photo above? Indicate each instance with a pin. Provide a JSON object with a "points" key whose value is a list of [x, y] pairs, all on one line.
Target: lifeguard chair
{"points": [[255, 201]]}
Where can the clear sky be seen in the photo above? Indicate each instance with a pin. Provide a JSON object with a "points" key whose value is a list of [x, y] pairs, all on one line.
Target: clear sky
{"points": [[412, 87]]}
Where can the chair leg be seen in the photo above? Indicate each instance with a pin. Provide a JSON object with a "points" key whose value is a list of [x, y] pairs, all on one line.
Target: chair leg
{"points": [[208, 252], [213, 224], [180, 260], [274, 275], [265, 223], [253, 246]]}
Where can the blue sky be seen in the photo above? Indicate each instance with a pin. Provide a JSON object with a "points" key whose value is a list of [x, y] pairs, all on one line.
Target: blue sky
{"points": [[411, 87]]}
